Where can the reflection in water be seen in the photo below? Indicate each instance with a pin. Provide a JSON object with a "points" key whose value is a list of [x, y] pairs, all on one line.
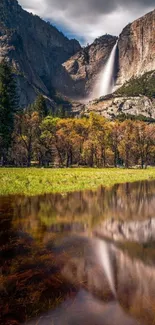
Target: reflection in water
{"points": [[134, 280], [44, 216], [134, 283], [86, 310], [40, 270], [134, 231]]}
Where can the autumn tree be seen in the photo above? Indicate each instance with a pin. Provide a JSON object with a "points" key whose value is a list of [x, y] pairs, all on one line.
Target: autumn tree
{"points": [[144, 141], [114, 139], [25, 134], [50, 140], [95, 145], [81, 128], [68, 140], [127, 143]]}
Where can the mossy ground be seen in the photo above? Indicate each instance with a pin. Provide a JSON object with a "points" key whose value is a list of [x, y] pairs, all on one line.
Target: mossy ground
{"points": [[35, 181]]}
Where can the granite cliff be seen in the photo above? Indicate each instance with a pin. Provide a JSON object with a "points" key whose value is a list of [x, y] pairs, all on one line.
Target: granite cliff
{"points": [[112, 106], [35, 49], [136, 47], [135, 56], [135, 98], [85, 65]]}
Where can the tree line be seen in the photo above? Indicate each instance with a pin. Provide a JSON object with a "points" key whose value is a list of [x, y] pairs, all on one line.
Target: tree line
{"points": [[34, 136]]}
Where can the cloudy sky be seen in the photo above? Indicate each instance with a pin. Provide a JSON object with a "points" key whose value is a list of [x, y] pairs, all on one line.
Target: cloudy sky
{"points": [[88, 19]]}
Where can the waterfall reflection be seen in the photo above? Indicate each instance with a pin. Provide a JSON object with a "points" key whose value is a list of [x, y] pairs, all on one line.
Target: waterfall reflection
{"points": [[40, 270], [46, 216]]}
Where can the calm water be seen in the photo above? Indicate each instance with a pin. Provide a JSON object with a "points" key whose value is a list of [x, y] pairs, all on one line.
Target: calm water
{"points": [[52, 263]]}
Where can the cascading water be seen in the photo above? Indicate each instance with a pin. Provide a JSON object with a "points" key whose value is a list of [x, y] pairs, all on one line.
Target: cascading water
{"points": [[105, 82]]}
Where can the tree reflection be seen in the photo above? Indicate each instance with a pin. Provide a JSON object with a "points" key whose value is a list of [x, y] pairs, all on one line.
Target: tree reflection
{"points": [[79, 211]]}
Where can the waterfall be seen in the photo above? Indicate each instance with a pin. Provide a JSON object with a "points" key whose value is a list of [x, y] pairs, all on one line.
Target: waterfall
{"points": [[105, 82]]}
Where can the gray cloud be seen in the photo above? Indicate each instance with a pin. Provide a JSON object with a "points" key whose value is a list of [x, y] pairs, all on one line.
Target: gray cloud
{"points": [[92, 7], [90, 18]]}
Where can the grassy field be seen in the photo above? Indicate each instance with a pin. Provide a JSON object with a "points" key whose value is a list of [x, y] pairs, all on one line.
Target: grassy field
{"points": [[35, 181]]}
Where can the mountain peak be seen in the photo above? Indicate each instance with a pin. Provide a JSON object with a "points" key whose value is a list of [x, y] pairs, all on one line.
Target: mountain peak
{"points": [[35, 49]]}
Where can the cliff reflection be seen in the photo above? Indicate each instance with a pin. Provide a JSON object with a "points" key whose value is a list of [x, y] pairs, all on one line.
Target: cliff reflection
{"points": [[38, 273], [75, 212], [82, 266], [133, 279]]}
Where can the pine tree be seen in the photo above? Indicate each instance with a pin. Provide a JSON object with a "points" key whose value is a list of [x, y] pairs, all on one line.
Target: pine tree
{"points": [[40, 106], [8, 107]]}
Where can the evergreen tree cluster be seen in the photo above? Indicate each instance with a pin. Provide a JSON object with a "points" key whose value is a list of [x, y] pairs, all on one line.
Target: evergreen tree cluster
{"points": [[144, 85], [8, 107]]}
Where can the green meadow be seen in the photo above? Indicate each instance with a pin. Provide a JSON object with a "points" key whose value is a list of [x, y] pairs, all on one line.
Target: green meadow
{"points": [[36, 181]]}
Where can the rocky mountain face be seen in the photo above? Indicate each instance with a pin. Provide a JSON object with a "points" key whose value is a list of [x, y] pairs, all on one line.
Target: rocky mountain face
{"points": [[35, 49], [136, 47], [44, 60], [112, 106], [135, 98], [84, 67], [135, 56]]}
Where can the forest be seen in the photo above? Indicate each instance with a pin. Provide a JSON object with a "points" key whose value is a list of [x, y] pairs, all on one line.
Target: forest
{"points": [[36, 136]]}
